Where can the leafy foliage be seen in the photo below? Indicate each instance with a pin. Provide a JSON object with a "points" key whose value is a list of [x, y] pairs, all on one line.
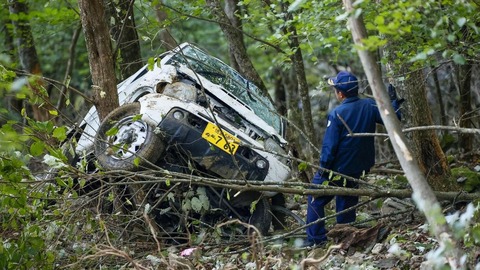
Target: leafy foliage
{"points": [[22, 211]]}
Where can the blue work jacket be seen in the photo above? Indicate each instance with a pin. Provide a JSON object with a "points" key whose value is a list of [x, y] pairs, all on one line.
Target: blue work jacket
{"points": [[345, 154]]}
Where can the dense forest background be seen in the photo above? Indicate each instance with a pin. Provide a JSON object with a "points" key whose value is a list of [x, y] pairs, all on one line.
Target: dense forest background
{"points": [[429, 50]]}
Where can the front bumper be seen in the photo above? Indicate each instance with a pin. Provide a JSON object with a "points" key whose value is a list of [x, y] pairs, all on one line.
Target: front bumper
{"points": [[184, 130]]}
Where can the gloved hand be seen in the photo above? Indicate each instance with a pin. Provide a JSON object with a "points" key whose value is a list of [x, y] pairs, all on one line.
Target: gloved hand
{"points": [[392, 93]]}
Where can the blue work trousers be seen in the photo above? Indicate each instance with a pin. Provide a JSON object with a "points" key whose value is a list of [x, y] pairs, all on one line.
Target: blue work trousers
{"points": [[315, 210]]}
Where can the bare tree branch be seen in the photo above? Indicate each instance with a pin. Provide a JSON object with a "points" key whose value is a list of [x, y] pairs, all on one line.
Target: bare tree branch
{"points": [[450, 128]]}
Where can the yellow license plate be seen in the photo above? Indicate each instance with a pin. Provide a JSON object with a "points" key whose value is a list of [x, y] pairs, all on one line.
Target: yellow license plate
{"points": [[214, 136]]}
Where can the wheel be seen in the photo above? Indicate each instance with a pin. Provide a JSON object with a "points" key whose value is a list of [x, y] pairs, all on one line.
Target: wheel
{"points": [[261, 217], [284, 219], [125, 142]]}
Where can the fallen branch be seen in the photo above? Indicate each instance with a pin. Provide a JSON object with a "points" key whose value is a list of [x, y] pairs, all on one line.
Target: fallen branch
{"points": [[299, 188]]}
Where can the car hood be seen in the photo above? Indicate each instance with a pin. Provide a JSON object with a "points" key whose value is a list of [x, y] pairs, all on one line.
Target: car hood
{"points": [[234, 103]]}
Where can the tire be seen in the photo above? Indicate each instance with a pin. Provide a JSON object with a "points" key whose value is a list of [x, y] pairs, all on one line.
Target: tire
{"points": [[285, 219], [134, 144], [261, 217]]}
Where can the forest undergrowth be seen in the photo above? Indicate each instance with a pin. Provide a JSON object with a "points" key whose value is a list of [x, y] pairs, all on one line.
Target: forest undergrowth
{"points": [[389, 234], [52, 227]]}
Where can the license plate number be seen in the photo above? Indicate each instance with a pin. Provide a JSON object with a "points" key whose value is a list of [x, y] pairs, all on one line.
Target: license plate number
{"points": [[214, 136]]}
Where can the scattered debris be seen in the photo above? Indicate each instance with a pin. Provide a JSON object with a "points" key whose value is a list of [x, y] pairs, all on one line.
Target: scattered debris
{"points": [[348, 235]]}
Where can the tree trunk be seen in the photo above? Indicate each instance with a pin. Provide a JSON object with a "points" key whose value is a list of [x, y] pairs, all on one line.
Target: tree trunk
{"points": [[124, 33], [29, 61], [428, 151], [466, 111], [310, 149], [97, 39], [13, 104], [168, 41], [299, 70], [422, 193], [231, 8], [438, 90], [235, 40], [417, 112], [280, 97]]}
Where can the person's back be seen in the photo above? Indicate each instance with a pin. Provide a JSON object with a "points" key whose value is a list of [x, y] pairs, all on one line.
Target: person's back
{"points": [[353, 154]]}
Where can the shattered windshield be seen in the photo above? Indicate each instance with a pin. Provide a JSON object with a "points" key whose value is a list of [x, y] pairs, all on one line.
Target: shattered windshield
{"points": [[219, 73]]}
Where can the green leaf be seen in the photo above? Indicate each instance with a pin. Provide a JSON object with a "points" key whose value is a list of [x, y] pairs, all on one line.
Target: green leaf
{"points": [[253, 206], [459, 59], [204, 201], [137, 117], [36, 148], [461, 21], [128, 202], [296, 5], [111, 132], [136, 161], [196, 204], [82, 182], [150, 63], [476, 234], [302, 166], [60, 133], [186, 205], [53, 112], [379, 20], [420, 56], [342, 17]]}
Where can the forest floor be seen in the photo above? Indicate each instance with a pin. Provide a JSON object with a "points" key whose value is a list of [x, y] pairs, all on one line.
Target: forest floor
{"points": [[399, 241], [389, 233], [404, 243]]}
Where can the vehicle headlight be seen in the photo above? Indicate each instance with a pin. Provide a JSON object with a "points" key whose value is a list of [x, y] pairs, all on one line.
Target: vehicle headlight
{"points": [[180, 90], [261, 164], [273, 147]]}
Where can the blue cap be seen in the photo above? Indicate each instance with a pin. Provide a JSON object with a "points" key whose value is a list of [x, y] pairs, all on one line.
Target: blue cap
{"points": [[345, 82]]}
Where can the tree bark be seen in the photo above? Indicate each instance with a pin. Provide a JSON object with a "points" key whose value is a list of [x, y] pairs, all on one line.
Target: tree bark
{"points": [[310, 149], [280, 97], [231, 8], [97, 38], [29, 61], [417, 112], [235, 40], [168, 41], [422, 193], [124, 32], [428, 151], [465, 104], [306, 109], [438, 90]]}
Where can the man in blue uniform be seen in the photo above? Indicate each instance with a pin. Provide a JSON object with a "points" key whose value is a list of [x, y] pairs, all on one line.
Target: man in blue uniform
{"points": [[351, 156]]}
